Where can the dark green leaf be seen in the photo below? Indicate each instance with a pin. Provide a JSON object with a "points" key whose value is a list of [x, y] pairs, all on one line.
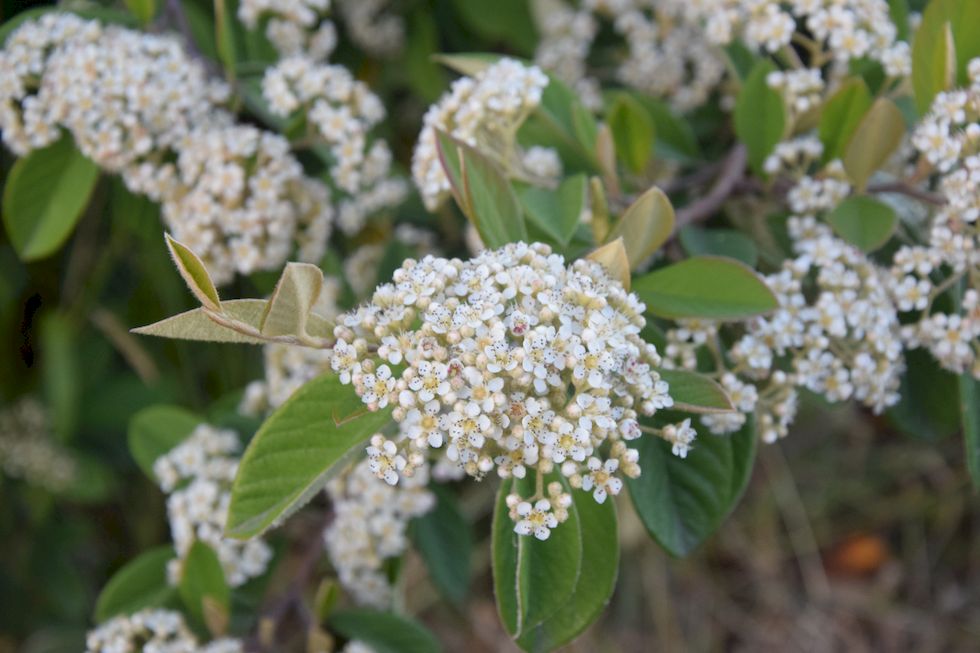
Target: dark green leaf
{"points": [[559, 212], [203, 588], [62, 373], [719, 242], [841, 115], [929, 405], [633, 132], [45, 195], [156, 430], [760, 116], [508, 21], [683, 501], [864, 222], [383, 632], [970, 408], [445, 539], [710, 287], [296, 451], [141, 583]]}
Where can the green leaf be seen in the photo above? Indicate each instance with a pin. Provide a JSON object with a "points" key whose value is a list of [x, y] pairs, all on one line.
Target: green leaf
{"points": [[426, 78], [384, 632], [876, 138], [899, 12], [683, 501], [156, 430], [292, 300], [596, 580], [532, 579], [197, 325], [62, 373], [841, 115], [645, 226], [144, 10], [929, 408], [203, 588], [444, 538], [612, 256], [970, 407], [482, 192], [864, 222], [508, 21], [296, 451], [760, 116], [45, 195], [709, 287], [674, 137], [719, 242], [696, 393], [944, 44], [194, 273], [467, 63], [633, 132], [141, 583], [556, 212]]}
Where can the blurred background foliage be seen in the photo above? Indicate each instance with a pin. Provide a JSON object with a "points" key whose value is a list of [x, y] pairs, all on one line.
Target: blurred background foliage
{"points": [[852, 535]]}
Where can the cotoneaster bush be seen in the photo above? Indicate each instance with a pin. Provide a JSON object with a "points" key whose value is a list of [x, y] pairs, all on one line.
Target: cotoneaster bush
{"points": [[610, 255]]}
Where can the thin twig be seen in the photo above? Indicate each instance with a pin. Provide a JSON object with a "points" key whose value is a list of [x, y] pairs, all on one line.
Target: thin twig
{"points": [[904, 188], [731, 173]]}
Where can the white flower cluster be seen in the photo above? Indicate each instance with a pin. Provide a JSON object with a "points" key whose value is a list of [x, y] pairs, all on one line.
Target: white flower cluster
{"points": [[27, 450], [664, 54], [292, 26], [153, 631], [834, 30], [542, 516], [370, 526], [949, 138], [137, 105], [241, 201], [198, 474], [342, 111], [836, 333], [371, 28], [513, 361], [483, 111]]}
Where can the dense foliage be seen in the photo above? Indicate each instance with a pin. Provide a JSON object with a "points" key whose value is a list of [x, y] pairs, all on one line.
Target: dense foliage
{"points": [[282, 281]]}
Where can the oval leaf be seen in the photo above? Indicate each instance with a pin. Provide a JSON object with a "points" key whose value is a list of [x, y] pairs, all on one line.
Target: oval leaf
{"points": [[645, 226], [709, 287], [156, 430], [532, 579], [864, 222], [614, 258], [696, 393], [556, 213], [203, 588], [596, 581], [683, 501], [45, 195], [141, 583], [384, 632], [632, 130], [876, 138], [841, 115], [760, 116], [719, 242], [293, 455], [444, 538]]}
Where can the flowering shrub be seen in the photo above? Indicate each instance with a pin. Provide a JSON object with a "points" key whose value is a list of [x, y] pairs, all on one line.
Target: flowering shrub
{"points": [[559, 333]]}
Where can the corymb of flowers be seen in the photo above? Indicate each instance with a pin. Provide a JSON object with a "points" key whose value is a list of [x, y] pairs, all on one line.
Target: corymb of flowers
{"points": [[509, 361]]}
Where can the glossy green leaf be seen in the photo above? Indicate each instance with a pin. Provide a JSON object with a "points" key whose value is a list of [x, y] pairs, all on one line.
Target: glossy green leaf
{"points": [[296, 451], [945, 42], [929, 407], [760, 116], [970, 410], [709, 287], [718, 242], [864, 222], [155, 430], [645, 226], [841, 115], [144, 10], [682, 501], [141, 583], [45, 195], [596, 580], [696, 393], [203, 588], [876, 138], [633, 132], [444, 538], [384, 632], [556, 212], [532, 579], [507, 21]]}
